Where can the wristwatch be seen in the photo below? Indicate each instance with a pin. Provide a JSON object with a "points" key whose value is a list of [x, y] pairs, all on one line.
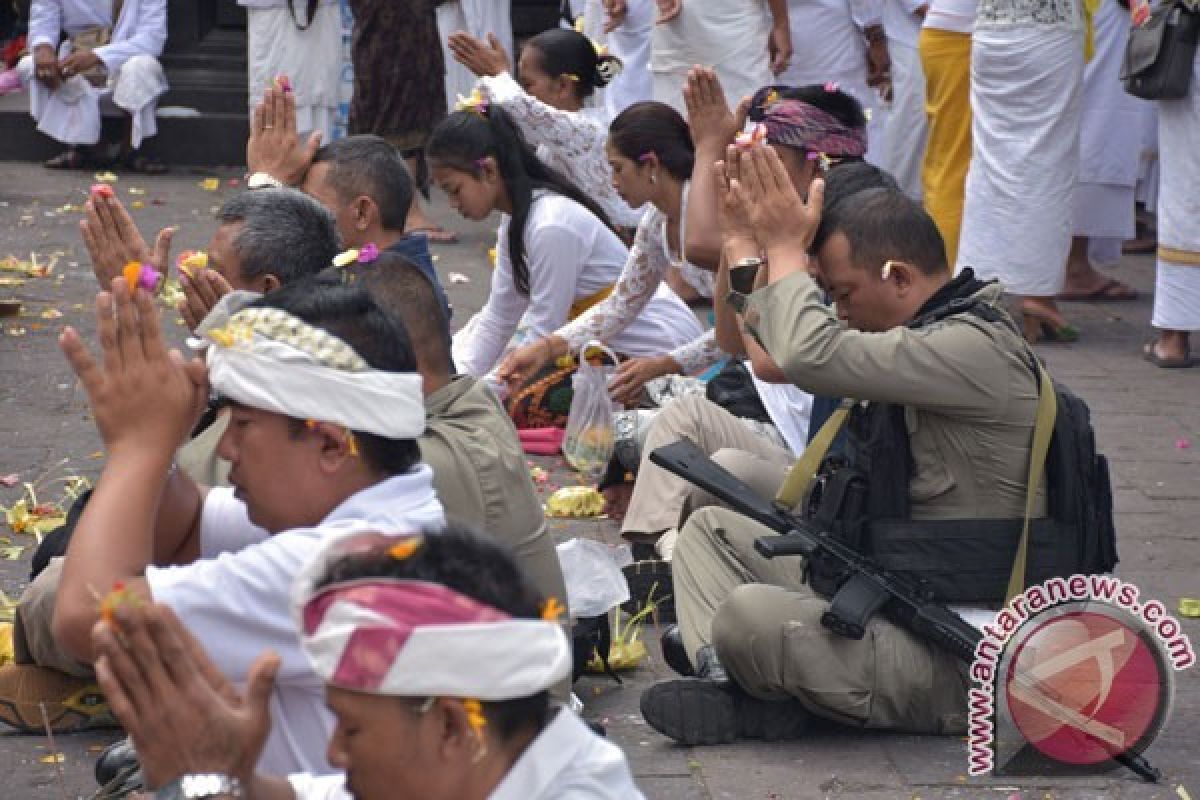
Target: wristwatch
{"points": [[202, 786], [743, 273], [263, 180]]}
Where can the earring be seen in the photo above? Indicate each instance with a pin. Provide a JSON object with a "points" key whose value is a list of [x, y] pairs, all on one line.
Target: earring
{"points": [[654, 177]]}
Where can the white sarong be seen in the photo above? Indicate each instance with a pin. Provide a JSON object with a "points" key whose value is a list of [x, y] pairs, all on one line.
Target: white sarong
{"points": [[1025, 156], [1177, 287], [630, 42], [907, 127], [71, 113], [312, 60], [730, 36], [478, 18], [1110, 135]]}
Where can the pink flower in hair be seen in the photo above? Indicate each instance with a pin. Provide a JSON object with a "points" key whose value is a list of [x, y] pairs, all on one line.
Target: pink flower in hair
{"points": [[368, 253], [831, 86]]}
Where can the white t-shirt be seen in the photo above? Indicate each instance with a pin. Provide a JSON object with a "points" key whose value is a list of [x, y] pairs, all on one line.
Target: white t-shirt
{"points": [[571, 256], [567, 761], [789, 407], [828, 41], [235, 600], [951, 15]]}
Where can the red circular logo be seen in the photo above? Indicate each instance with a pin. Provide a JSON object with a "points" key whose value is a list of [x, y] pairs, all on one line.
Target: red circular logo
{"points": [[1085, 686]]}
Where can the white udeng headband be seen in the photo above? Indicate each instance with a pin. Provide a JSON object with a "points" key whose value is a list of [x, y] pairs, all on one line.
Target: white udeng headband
{"points": [[262, 371]]}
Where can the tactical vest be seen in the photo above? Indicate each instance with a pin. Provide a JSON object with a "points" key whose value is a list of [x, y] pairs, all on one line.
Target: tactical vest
{"points": [[861, 496]]}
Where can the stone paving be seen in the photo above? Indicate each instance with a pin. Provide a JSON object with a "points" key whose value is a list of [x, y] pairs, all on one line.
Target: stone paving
{"points": [[1147, 421]]}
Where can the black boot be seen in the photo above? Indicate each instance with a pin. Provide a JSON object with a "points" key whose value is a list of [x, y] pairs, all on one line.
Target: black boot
{"points": [[696, 712], [674, 653]]}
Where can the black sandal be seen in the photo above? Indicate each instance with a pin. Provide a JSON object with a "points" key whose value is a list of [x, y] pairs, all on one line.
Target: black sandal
{"points": [[71, 158], [135, 162]]}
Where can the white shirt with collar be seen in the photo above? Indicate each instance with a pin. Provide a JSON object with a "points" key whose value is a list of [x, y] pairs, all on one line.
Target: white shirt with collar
{"points": [[235, 600], [567, 761]]}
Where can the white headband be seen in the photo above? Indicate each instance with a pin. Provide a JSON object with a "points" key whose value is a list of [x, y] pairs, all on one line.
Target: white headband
{"points": [[268, 359]]}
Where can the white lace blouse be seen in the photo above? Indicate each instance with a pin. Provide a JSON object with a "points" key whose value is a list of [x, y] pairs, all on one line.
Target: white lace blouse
{"points": [[640, 280], [571, 142]]}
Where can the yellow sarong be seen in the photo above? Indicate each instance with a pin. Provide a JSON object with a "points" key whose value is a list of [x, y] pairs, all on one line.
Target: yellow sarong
{"points": [[946, 59], [584, 304]]}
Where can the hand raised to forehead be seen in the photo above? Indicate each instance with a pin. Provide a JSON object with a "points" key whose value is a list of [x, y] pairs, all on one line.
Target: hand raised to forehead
{"points": [[144, 398]]}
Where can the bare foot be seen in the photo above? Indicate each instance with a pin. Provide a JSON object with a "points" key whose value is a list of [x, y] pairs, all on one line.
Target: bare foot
{"points": [[1086, 284], [1042, 321], [1171, 347]]}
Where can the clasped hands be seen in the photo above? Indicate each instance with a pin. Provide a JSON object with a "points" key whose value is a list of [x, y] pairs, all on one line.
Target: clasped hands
{"points": [[51, 72], [274, 146], [183, 715], [144, 398], [113, 240], [760, 210]]}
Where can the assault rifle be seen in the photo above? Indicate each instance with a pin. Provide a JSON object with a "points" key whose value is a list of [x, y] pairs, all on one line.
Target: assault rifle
{"points": [[863, 587]]}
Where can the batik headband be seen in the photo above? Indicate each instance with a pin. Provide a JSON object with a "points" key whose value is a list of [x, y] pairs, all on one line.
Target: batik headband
{"points": [[412, 638], [268, 359], [797, 124]]}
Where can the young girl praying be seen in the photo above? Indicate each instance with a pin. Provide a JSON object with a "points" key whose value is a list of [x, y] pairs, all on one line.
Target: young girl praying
{"points": [[556, 253]]}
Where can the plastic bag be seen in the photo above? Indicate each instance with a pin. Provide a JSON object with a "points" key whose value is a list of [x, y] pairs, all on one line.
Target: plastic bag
{"points": [[592, 573], [588, 445]]}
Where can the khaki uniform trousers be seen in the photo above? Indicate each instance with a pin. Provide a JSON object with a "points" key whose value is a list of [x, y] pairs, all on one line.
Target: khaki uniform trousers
{"points": [[765, 624], [661, 500]]}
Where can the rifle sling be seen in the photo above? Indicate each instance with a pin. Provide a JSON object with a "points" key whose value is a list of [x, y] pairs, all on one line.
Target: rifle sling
{"points": [[1043, 431], [801, 475]]}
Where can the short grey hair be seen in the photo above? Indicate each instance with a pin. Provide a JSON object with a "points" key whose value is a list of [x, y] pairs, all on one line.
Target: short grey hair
{"points": [[284, 233]]}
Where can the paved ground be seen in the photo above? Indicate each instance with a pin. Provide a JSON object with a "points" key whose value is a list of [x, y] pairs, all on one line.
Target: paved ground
{"points": [[1146, 419]]}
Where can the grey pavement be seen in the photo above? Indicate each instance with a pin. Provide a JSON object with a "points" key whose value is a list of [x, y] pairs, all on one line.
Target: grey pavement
{"points": [[1147, 421]]}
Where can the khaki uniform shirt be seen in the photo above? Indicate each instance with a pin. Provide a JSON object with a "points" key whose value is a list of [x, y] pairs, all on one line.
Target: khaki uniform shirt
{"points": [[970, 396], [482, 478]]}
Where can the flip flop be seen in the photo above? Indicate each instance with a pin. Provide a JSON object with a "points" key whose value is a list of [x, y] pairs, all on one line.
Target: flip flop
{"points": [[1151, 355], [1103, 294], [437, 235]]}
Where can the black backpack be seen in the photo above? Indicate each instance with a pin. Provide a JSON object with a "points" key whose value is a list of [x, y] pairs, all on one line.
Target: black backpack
{"points": [[1079, 490]]}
